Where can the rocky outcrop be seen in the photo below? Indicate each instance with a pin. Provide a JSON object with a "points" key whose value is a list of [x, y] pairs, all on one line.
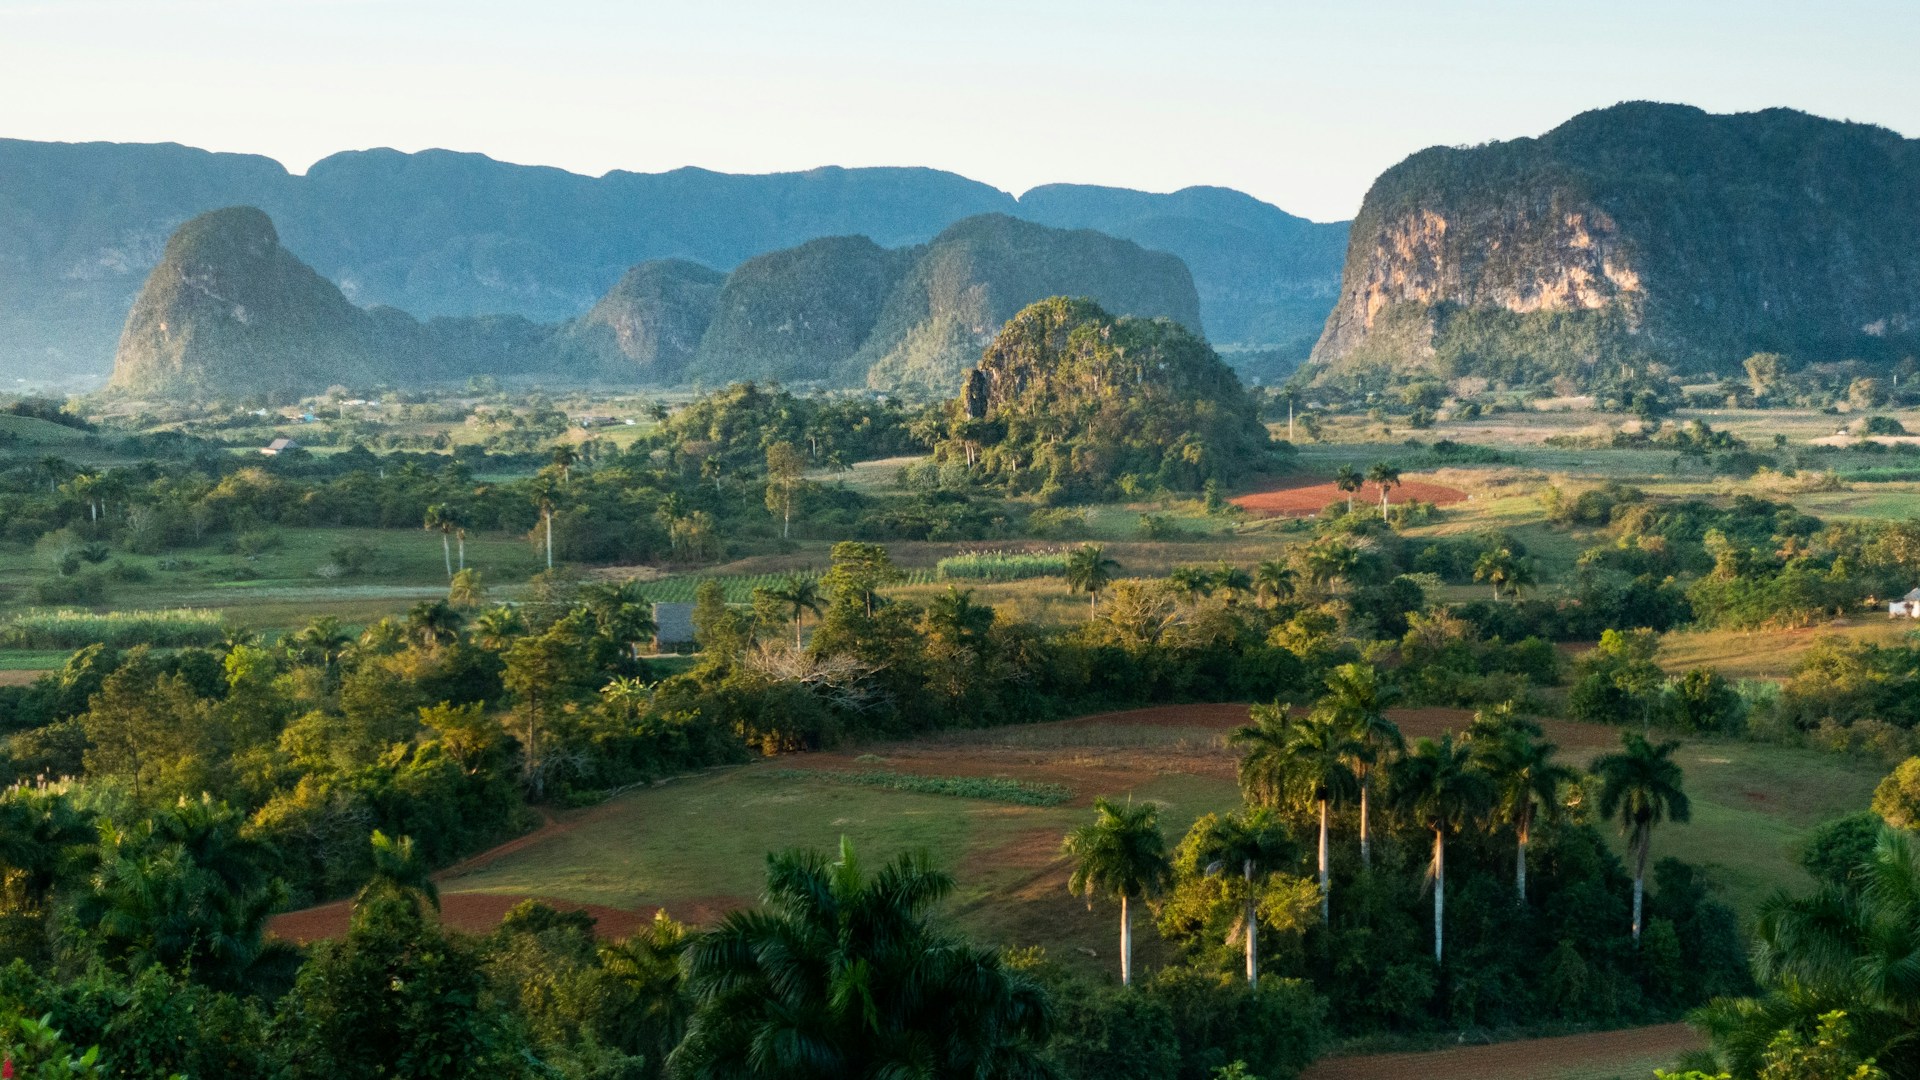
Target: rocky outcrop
{"points": [[1648, 234]]}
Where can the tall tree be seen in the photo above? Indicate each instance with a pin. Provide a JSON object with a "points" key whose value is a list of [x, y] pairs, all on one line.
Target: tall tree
{"points": [[1385, 477], [1089, 571], [1348, 480], [785, 467], [1357, 700], [1502, 569], [440, 519], [1641, 786], [1122, 854], [842, 973], [1527, 782], [799, 595], [1253, 844], [1300, 764], [1274, 581], [1437, 785]]}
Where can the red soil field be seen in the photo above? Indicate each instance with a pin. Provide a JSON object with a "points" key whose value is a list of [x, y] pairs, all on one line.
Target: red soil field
{"points": [[1527, 1059], [1313, 498]]}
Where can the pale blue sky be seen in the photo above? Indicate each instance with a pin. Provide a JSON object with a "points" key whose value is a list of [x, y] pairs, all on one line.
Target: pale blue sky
{"points": [[1300, 104]]}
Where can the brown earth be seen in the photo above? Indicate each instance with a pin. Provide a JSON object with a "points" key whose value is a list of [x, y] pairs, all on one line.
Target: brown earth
{"points": [[1104, 752], [1310, 499], [10, 677], [1527, 1059]]}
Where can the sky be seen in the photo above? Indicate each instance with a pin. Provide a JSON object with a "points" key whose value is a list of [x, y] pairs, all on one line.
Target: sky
{"points": [[1299, 104]]}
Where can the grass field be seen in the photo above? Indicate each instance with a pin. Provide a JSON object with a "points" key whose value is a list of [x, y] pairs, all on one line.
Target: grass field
{"points": [[696, 845]]}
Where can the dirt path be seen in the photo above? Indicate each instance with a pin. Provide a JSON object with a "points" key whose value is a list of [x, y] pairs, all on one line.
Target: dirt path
{"points": [[1632, 1052]]}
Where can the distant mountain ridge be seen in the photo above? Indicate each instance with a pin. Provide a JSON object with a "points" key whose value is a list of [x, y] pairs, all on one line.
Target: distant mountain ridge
{"points": [[1635, 235], [228, 311], [440, 233]]}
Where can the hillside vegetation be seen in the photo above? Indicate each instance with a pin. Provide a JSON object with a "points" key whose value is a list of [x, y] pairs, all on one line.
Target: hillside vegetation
{"points": [[1637, 234], [1070, 401]]}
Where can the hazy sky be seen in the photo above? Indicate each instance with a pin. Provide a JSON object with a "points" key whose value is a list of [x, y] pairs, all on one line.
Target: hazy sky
{"points": [[1300, 104]]}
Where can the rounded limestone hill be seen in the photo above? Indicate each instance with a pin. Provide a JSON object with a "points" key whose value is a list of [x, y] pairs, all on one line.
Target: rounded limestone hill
{"points": [[797, 315], [228, 311], [648, 326], [1075, 403], [968, 281]]}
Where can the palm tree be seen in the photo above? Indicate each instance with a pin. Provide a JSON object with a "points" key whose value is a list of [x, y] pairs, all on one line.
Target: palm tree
{"points": [[1300, 764], [954, 617], [1641, 786], [841, 973], [434, 623], [1439, 786], [495, 628], [1385, 477], [1089, 570], [1357, 701], [1501, 568], [1230, 581], [800, 594], [398, 872], [456, 518], [1526, 780], [1273, 581], [439, 518], [1847, 946], [323, 641], [1256, 843], [564, 459], [1330, 560], [1191, 581], [648, 965], [1123, 855], [543, 499], [467, 590], [1349, 481]]}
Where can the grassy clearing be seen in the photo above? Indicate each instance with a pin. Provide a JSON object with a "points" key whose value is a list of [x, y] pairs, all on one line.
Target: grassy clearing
{"points": [[990, 788], [33, 431], [33, 659], [1754, 806], [1767, 654]]}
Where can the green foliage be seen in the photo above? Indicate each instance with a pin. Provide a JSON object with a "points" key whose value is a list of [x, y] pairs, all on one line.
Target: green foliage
{"points": [[167, 628], [1002, 565], [882, 986], [990, 788], [1071, 402]]}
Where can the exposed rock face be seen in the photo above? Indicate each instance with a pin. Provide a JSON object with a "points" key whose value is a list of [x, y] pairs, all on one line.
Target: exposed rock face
{"points": [[1638, 233], [229, 311]]}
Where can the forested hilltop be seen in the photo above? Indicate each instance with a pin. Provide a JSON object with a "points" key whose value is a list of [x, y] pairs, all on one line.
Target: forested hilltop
{"points": [[82, 224], [1642, 234], [231, 312]]}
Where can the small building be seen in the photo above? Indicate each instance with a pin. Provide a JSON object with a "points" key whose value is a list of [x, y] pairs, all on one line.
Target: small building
{"points": [[279, 446], [1907, 607], [673, 628]]}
